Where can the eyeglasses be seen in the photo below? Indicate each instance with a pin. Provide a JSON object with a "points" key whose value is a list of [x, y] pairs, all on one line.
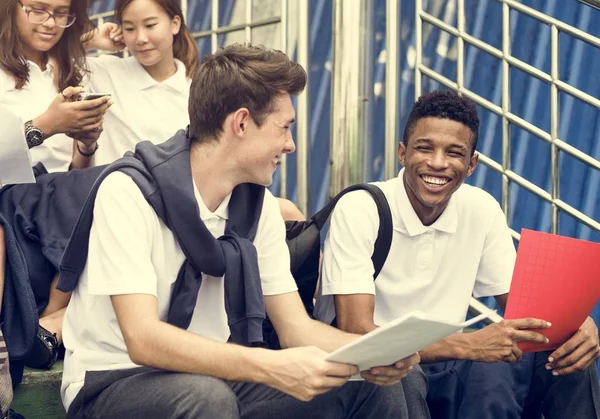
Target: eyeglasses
{"points": [[38, 16]]}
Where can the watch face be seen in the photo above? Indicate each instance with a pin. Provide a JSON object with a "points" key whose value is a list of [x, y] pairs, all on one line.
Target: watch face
{"points": [[34, 138]]}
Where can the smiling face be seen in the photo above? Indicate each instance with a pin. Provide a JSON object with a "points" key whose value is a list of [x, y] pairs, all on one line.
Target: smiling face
{"points": [[437, 159], [262, 147], [39, 38], [148, 33]]}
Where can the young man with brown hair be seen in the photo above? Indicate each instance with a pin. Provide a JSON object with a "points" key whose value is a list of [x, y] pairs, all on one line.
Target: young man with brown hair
{"points": [[176, 270]]}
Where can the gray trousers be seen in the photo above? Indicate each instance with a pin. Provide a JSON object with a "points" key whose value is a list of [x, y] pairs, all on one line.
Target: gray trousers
{"points": [[147, 393]]}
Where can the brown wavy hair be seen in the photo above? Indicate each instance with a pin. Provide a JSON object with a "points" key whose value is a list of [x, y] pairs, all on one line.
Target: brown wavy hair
{"points": [[239, 76], [184, 46], [68, 53]]}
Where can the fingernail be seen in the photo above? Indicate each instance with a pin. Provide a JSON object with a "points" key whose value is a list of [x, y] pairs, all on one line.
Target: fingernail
{"points": [[547, 340], [554, 373], [550, 359], [548, 366], [411, 367], [548, 324]]}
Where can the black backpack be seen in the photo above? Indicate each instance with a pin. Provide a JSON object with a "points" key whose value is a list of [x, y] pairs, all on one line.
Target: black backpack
{"points": [[304, 242]]}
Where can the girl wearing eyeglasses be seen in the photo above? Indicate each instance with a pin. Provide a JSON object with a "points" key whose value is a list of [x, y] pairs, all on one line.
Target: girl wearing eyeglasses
{"points": [[42, 63]]}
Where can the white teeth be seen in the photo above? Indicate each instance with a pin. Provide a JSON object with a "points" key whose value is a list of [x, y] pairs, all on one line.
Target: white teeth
{"points": [[435, 180]]}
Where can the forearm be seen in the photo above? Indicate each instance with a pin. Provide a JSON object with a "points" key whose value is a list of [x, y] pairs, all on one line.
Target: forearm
{"points": [[79, 161], [166, 347], [88, 39], [45, 124], [455, 346], [316, 333]]}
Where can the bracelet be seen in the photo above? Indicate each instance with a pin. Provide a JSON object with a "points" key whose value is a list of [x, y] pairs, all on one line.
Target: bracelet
{"points": [[86, 154]]}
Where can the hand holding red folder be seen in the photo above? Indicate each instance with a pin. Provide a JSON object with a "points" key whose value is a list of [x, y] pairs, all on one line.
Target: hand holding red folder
{"points": [[556, 279]]}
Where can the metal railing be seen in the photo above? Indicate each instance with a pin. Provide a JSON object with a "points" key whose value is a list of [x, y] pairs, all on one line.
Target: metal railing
{"points": [[504, 111]]}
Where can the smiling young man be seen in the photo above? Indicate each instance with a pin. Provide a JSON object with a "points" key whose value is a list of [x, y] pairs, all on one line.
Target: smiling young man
{"points": [[450, 241], [168, 307]]}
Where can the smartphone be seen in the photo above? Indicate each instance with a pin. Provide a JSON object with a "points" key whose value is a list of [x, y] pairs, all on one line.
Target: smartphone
{"points": [[92, 96]]}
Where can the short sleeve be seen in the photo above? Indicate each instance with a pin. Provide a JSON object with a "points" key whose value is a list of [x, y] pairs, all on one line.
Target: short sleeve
{"points": [[497, 263], [119, 257], [347, 265], [273, 253]]}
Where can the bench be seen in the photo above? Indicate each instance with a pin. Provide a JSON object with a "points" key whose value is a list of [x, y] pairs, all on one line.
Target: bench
{"points": [[38, 395]]}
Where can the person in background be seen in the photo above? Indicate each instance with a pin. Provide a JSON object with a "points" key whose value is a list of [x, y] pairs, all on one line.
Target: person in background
{"points": [[42, 64], [40, 76], [151, 86]]}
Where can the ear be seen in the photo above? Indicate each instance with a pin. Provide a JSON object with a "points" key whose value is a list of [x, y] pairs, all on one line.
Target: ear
{"points": [[175, 25], [240, 121], [401, 152], [473, 163]]}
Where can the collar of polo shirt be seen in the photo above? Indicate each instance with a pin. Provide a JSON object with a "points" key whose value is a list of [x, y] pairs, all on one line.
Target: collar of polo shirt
{"points": [[140, 76], [408, 217]]}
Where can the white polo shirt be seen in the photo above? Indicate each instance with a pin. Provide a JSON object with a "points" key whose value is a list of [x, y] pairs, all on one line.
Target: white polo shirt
{"points": [[435, 269], [31, 101], [132, 252], [144, 109]]}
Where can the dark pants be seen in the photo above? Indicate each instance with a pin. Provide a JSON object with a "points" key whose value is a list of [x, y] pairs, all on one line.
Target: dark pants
{"points": [[146, 393], [525, 389]]}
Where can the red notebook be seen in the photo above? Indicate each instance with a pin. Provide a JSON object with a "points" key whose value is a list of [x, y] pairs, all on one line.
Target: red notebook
{"points": [[556, 279]]}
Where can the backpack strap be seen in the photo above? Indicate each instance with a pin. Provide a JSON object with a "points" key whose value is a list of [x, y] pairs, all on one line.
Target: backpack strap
{"points": [[384, 234]]}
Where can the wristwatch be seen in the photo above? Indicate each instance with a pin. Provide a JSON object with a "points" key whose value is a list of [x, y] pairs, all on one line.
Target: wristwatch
{"points": [[34, 136]]}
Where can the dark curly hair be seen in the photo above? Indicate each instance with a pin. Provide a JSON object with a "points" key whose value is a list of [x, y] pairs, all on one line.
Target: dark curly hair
{"points": [[445, 105]]}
